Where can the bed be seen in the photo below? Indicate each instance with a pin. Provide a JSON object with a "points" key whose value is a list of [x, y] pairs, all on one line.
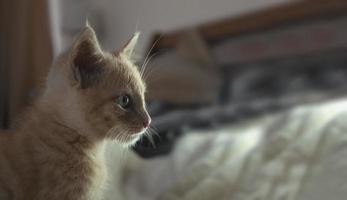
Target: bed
{"points": [[297, 154]]}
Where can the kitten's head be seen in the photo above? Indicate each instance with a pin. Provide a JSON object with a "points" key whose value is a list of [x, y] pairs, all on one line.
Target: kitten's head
{"points": [[98, 93]]}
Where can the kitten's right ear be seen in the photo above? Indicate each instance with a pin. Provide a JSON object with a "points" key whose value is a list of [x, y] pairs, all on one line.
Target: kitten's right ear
{"points": [[129, 48], [86, 58]]}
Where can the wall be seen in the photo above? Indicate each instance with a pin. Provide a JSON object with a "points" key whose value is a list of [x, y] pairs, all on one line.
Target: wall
{"points": [[116, 20]]}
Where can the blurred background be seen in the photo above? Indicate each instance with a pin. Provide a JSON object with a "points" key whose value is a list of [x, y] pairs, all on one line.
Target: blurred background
{"points": [[208, 62]]}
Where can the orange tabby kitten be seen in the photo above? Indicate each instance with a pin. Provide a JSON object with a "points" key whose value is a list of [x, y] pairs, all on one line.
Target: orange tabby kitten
{"points": [[57, 152]]}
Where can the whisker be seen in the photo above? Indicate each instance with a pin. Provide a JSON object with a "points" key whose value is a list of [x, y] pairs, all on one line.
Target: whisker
{"points": [[141, 139], [149, 72], [144, 72], [155, 133], [150, 138], [109, 132], [145, 63], [148, 53]]}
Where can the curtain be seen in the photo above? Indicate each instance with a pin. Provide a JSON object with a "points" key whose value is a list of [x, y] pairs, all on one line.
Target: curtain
{"points": [[25, 53]]}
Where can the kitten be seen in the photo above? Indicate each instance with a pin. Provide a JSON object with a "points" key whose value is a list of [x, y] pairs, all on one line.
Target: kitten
{"points": [[57, 151]]}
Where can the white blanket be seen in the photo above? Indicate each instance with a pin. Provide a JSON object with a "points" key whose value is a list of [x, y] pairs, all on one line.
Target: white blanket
{"points": [[301, 155]]}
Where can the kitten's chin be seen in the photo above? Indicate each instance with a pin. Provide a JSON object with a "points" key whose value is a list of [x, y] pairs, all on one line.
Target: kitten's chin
{"points": [[129, 142], [131, 139]]}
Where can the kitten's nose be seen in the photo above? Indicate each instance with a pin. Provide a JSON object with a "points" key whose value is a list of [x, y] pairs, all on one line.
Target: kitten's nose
{"points": [[147, 122]]}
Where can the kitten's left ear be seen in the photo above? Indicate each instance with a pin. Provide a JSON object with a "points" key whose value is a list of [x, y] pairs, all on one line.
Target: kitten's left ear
{"points": [[86, 58], [129, 49]]}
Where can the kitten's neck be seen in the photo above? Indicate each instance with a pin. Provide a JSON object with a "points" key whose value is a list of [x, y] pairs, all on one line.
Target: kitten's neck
{"points": [[49, 126]]}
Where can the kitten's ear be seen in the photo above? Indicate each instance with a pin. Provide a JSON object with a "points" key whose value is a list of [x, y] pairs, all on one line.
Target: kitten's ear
{"points": [[129, 49], [86, 58]]}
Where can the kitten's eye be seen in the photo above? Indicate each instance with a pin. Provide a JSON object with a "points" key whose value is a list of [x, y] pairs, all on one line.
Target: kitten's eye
{"points": [[124, 101]]}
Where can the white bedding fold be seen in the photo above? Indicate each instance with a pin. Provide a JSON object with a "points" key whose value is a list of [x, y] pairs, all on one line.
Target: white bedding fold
{"points": [[299, 155]]}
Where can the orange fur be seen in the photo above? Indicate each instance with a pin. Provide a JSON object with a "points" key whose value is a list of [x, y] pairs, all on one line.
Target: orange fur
{"points": [[57, 150]]}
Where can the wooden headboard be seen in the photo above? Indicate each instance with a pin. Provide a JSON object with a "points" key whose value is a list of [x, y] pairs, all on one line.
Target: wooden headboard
{"points": [[256, 21]]}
